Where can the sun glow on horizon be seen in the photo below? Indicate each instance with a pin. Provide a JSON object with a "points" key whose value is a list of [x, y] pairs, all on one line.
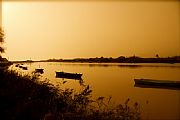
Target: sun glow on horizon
{"points": [[43, 30]]}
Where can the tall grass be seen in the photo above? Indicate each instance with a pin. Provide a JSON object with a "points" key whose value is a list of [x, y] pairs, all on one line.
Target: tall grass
{"points": [[25, 97]]}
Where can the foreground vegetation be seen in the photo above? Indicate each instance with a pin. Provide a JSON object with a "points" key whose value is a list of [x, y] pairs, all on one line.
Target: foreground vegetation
{"points": [[25, 97]]}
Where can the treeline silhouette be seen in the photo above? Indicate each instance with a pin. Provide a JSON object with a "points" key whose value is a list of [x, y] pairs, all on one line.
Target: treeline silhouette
{"points": [[121, 59]]}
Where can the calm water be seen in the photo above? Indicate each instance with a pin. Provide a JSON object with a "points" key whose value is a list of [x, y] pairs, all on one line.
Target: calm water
{"points": [[117, 80]]}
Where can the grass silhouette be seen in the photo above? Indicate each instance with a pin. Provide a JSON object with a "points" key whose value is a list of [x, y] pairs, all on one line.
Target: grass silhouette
{"points": [[26, 97]]}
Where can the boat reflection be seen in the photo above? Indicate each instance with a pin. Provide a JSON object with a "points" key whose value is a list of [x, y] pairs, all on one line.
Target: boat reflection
{"points": [[156, 87]]}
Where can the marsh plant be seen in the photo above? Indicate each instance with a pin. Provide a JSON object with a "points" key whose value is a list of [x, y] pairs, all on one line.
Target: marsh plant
{"points": [[26, 97]]}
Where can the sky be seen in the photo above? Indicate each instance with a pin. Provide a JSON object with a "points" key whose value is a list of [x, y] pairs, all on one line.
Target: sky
{"points": [[0, 13], [83, 29]]}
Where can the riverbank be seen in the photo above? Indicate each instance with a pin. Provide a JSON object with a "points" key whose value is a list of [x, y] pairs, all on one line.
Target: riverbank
{"points": [[121, 59], [25, 97]]}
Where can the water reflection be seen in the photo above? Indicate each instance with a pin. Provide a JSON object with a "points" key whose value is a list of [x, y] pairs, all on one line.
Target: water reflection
{"points": [[129, 65], [66, 79], [117, 80], [100, 65], [157, 87]]}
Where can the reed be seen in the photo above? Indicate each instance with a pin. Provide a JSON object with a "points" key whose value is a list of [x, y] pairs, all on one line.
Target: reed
{"points": [[26, 97]]}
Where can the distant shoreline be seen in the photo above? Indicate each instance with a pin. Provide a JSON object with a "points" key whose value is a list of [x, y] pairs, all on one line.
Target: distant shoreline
{"points": [[121, 59]]}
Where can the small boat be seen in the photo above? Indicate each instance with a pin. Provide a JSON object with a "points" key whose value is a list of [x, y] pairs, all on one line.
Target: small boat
{"points": [[20, 66], [69, 75], [24, 68], [150, 82], [17, 65], [39, 70]]}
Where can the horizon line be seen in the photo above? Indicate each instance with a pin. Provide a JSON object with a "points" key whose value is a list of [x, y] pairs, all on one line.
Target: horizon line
{"points": [[92, 57]]}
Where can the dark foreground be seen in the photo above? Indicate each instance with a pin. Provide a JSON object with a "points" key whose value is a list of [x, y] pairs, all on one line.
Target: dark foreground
{"points": [[24, 97]]}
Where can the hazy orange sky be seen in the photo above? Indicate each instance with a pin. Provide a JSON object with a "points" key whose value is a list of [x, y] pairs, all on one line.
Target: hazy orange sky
{"points": [[73, 29]]}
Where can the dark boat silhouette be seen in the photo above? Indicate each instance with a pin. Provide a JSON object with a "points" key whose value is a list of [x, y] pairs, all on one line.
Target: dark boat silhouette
{"points": [[69, 75], [157, 83], [24, 68], [39, 70], [20, 66], [17, 65]]}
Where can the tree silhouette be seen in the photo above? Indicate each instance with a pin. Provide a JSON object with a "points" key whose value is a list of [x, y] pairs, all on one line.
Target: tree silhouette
{"points": [[1, 41], [157, 56]]}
